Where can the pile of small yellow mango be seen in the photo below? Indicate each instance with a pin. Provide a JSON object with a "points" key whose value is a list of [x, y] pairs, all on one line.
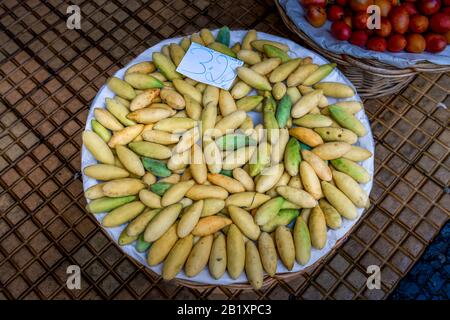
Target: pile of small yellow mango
{"points": [[254, 192]]}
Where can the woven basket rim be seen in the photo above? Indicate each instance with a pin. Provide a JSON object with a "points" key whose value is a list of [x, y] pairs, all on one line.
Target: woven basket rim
{"points": [[369, 65]]}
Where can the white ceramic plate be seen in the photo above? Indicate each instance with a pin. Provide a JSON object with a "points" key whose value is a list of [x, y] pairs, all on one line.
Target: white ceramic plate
{"points": [[204, 277]]}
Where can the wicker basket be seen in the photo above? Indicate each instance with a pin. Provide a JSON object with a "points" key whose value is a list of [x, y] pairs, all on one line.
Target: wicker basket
{"points": [[372, 78]]}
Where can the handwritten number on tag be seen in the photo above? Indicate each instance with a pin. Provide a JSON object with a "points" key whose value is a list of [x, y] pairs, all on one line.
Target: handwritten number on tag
{"points": [[206, 65], [230, 75], [216, 74], [204, 57], [213, 70]]}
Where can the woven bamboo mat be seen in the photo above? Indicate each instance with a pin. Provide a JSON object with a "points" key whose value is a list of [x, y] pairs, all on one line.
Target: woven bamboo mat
{"points": [[49, 75]]}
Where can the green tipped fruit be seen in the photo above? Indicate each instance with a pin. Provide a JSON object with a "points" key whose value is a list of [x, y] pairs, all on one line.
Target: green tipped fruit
{"points": [[253, 79], [222, 49], [351, 168], [332, 216], [357, 154], [304, 146], [142, 67], [235, 141], [259, 45], [347, 120], [99, 129], [97, 147], [284, 111], [142, 245], [313, 121], [228, 173], [107, 204], [249, 103], [269, 119], [123, 214], [292, 157], [323, 71], [335, 89], [150, 149], [119, 111], [268, 210], [166, 66], [302, 241], [158, 168], [160, 187], [283, 71], [283, 218], [337, 134], [143, 81], [275, 52], [121, 88]]}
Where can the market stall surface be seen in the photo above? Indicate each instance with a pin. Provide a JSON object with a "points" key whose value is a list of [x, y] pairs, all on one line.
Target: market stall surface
{"points": [[49, 74]]}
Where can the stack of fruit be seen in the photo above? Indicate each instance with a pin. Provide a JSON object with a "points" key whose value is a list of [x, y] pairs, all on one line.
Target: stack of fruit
{"points": [[411, 25], [230, 206]]}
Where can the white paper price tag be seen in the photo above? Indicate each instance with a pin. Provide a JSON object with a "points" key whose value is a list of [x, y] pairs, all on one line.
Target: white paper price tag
{"points": [[209, 66]]}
